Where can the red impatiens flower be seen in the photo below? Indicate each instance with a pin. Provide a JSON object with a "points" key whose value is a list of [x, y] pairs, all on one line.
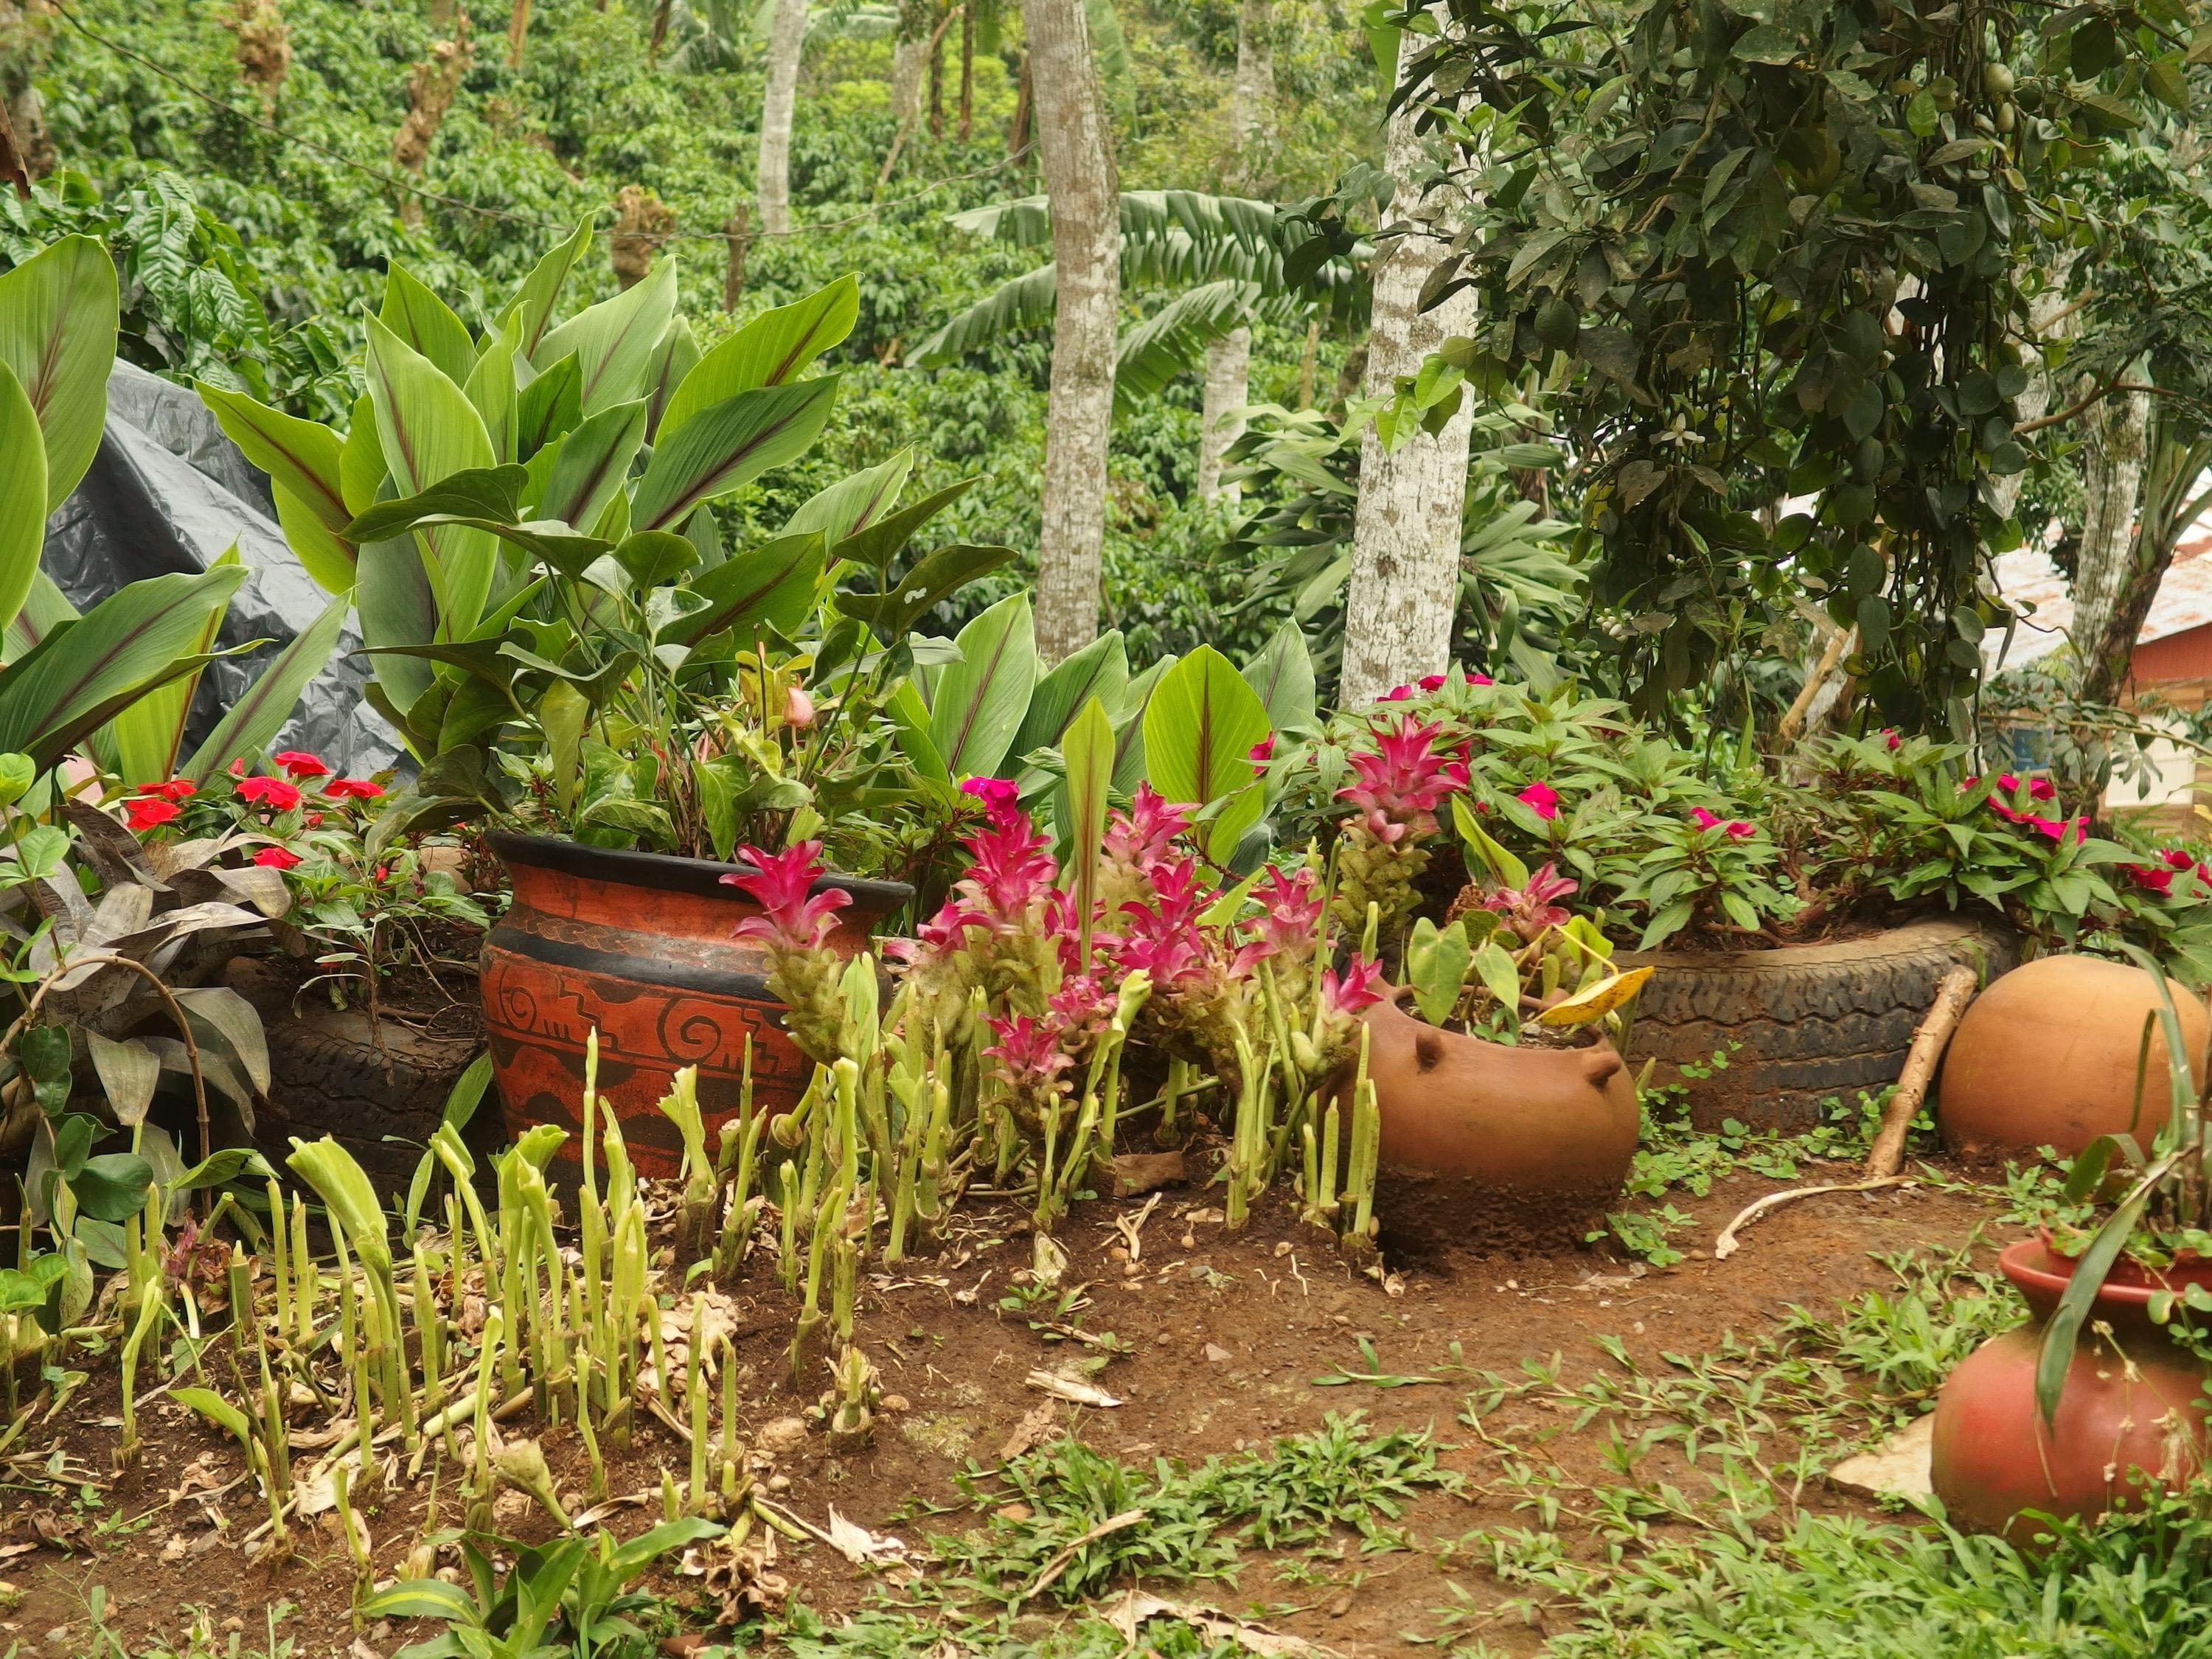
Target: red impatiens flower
{"points": [[1402, 780], [1889, 736], [1353, 989], [148, 811], [276, 858], [1736, 828], [1432, 682], [2176, 858], [1396, 694], [1480, 679], [352, 789], [1541, 800], [999, 797], [2157, 878], [299, 763], [793, 920], [274, 794], [174, 789], [1262, 752]]}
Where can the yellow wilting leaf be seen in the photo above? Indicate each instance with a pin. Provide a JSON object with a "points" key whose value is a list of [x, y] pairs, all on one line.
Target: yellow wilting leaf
{"points": [[1595, 1003]]}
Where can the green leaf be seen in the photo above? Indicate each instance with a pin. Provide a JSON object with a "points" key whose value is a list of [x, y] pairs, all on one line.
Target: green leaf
{"points": [[249, 725], [532, 306], [1129, 724], [1173, 340], [114, 1186], [1765, 43], [326, 556], [1099, 672], [301, 457], [422, 1598], [429, 431], [140, 636], [1087, 746], [878, 544], [551, 407], [58, 327], [589, 466], [854, 502], [149, 732], [467, 1092], [362, 470], [1283, 676], [22, 495], [614, 340], [674, 356], [397, 608], [1200, 727], [476, 494], [427, 323], [980, 699], [771, 586], [1436, 965], [727, 446], [347, 1198], [937, 577], [768, 352], [218, 1411], [1500, 976], [491, 389]]}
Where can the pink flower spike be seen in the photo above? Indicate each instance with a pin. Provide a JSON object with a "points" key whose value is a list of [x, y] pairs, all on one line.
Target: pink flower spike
{"points": [[1355, 988], [1541, 800], [998, 796], [1889, 734], [780, 886], [798, 706]]}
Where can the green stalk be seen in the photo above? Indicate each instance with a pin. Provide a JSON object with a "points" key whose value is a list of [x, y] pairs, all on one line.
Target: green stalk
{"points": [[428, 1334], [788, 1174], [279, 1258], [149, 1314], [598, 1490], [695, 1400], [1332, 1135], [480, 1480], [810, 1317], [1177, 1083], [310, 1278]]}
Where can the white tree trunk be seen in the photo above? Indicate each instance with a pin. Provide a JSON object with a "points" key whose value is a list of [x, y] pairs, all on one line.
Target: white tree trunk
{"points": [[786, 38], [1077, 152], [1254, 86], [909, 56], [1228, 375], [1405, 530], [2114, 433]]}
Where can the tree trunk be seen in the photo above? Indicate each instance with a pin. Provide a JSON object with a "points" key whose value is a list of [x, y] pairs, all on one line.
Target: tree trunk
{"points": [[967, 70], [1086, 246], [734, 269], [937, 80], [518, 30], [2169, 504], [2116, 572], [1407, 528], [907, 56], [1227, 365], [786, 36], [1017, 130], [431, 86], [1229, 361]]}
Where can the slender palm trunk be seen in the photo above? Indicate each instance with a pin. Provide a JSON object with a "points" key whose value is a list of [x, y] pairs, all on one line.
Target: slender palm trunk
{"points": [[967, 70], [1086, 246], [1229, 360], [786, 36], [1407, 528], [2110, 565]]}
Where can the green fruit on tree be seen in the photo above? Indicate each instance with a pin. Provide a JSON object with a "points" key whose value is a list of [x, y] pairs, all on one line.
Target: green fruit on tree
{"points": [[1997, 82], [1558, 325]]}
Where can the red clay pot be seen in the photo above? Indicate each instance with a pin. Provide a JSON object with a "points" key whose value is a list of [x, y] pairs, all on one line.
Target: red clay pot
{"points": [[2046, 1057], [2131, 1414], [1489, 1145], [637, 945]]}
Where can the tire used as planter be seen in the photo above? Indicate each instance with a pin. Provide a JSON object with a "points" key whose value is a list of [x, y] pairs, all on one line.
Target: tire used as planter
{"points": [[1488, 1148], [636, 946], [378, 1087], [2130, 1416], [1813, 1020]]}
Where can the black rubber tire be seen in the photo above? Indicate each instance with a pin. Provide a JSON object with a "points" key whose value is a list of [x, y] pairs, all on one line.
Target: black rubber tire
{"points": [[1814, 1022], [380, 1093]]}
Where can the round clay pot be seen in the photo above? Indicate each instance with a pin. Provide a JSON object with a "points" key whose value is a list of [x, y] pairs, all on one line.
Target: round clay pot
{"points": [[637, 946], [2131, 1413], [2046, 1056], [1489, 1147]]}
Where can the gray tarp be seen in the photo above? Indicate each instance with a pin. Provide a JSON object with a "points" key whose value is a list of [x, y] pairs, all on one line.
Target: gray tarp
{"points": [[168, 492]]}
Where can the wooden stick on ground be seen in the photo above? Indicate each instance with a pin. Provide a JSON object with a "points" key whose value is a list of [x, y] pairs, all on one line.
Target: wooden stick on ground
{"points": [[1956, 990], [1725, 1245]]}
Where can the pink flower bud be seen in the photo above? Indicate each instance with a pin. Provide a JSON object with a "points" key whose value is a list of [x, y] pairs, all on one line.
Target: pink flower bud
{"points": [[798, 706]]}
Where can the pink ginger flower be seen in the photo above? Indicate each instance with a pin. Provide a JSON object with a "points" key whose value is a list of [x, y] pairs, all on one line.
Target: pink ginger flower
{"points": [[999, 796], [1290, 909], [1528, 910], [1029, 1059], [1402, 780], [782, 885], [1141, 837], [1164, 937], [1008, 869], [1355, 988], [938, 938], [1540, 799]]}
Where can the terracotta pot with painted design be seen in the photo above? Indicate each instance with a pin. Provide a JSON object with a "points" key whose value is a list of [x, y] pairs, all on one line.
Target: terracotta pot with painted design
{"points": [[637, 945]]}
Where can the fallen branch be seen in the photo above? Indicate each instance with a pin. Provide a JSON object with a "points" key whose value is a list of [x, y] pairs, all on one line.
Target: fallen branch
{"points": [[1952, 993], [1725, 1245]]}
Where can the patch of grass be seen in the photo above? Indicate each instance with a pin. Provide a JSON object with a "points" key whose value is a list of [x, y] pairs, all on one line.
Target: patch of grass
{"points": [[1065, 1521]]}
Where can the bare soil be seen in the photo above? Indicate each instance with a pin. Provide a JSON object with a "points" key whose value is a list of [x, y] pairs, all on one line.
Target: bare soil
{"points": [[1230, 1332]]}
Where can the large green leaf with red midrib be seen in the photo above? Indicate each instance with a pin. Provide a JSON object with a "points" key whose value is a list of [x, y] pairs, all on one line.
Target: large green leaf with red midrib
{"points": [[728, 445], [1200, 727]]}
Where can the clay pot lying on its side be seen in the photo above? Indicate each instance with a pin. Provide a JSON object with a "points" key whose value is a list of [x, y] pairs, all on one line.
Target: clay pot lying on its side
{"points": [[2047, 1057], [2130, 1414], [1486, 1146]]}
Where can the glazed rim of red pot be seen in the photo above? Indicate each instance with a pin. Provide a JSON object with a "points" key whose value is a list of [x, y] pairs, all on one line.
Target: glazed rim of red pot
{"points": [[2128, 1282], [666, 873]]}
